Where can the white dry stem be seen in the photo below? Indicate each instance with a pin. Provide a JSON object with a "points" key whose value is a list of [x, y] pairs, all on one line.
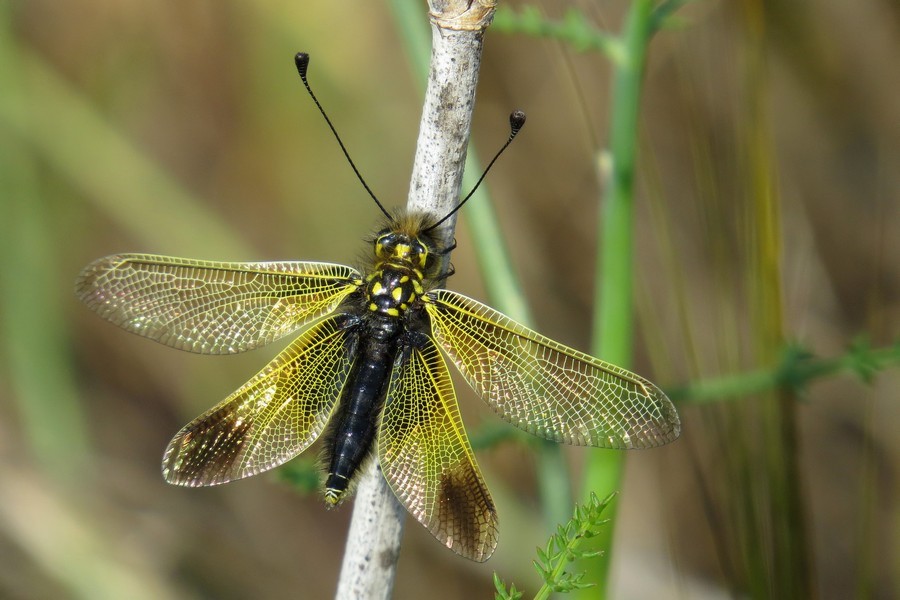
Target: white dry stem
{"points": [[373, 541]]}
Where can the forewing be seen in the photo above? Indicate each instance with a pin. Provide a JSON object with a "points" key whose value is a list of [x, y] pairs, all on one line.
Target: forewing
{"points": [[546, 388], [426, 457], [211, 307], [272, 418]]}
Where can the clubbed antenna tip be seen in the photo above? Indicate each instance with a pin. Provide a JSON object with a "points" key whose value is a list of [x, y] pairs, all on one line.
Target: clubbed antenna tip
{"points": [[516, 122], [302, 62]]}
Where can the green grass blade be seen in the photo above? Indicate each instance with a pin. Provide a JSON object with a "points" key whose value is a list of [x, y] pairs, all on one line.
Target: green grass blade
{"points": [[34, 293]]}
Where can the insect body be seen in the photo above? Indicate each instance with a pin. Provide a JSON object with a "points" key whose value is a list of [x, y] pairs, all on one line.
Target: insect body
{"points": [[370, 369]]}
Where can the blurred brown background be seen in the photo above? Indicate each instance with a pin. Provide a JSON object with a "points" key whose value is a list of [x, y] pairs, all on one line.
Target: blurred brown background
{"points": [[182, 129]]}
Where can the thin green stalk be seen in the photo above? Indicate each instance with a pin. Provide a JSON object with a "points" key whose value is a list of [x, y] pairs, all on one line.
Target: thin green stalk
{"points": [[613, 325], [574, 29], [796, 370]]}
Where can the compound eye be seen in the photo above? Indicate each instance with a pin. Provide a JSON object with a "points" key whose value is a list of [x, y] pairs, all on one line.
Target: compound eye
{"points": [[385, 244], [421, 252]]}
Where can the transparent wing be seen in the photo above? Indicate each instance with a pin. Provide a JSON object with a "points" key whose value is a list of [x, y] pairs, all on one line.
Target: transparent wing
{"points": [[272, 418], [546, 388], [427, 460], [211, 307]]}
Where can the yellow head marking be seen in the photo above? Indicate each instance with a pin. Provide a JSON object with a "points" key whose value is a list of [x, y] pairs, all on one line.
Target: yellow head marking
{"points": [[402, 250], [377, 288]]}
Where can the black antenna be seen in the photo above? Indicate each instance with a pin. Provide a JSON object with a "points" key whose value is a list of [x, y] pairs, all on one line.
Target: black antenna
{"points": [[516, 122], [302, 62]]}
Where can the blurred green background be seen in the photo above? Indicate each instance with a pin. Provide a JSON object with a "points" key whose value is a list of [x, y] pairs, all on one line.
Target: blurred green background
{"points": [[182, 129]]}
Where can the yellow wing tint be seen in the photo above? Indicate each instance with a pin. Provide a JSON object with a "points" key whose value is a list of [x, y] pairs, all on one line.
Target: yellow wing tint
{"points": [[211, 307], [427, 460], [271, 419], [546, 388]]}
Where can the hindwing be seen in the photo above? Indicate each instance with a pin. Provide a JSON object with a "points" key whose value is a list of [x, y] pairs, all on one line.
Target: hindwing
{"points": [[426, 457], [271, 418]]}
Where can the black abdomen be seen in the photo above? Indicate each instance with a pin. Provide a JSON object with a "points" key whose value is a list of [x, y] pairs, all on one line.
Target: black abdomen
{"points": [[355, 424]]}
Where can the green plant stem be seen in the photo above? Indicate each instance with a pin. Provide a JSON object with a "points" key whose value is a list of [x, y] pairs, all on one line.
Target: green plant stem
{"points": [[796, 371], [613, 324], [664, 12], [574, 29]]}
